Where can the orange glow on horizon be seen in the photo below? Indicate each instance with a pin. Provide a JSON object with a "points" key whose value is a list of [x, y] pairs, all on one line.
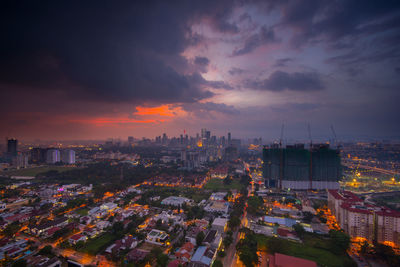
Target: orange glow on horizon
{"points": [[163, 110]]}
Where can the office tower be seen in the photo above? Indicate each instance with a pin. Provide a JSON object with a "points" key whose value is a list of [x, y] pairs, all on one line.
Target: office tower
{"points": [[223, 141], [229, 139], [12, 147], [38, 155], [203, 133], [130, 140], [164, 139], [68, 156], [53, 156], [20, 160], [298, 168]]}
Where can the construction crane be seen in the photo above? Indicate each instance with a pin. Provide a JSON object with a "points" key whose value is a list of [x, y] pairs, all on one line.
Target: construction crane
{"points": [[334, 135], [280, 139], [281, 158], [311, 161]]}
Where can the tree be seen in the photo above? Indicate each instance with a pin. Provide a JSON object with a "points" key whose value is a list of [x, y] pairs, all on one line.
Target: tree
{"points": [[299, 230], [12, 229], [217, 263], [255, 203], [340, 241], [307, 216], [117, 227], [275, 245], [227, 241], [162, 260], [233, 222], [19, 263], [199, 238], [248, 258], [227, 180], [47, 251]]}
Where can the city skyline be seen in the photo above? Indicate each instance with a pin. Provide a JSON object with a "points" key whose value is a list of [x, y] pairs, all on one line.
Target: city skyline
{"points": [[85, 71]]}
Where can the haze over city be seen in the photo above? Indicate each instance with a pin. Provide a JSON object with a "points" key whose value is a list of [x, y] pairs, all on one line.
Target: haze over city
{"points": [[94, 69]]}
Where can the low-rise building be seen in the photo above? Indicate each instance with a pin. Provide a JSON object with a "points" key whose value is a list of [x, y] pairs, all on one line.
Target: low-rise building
{"points": [[219, 224], [175, 201], [217, 206], [157, 237], [76, 238], [203, 257]]}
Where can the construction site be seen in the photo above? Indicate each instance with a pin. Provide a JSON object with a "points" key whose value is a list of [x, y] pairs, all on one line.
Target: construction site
{"points": [[300, 168]]}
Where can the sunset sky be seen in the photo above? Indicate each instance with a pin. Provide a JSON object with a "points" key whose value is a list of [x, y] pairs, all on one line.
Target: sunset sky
{"points": [[101, 69]]}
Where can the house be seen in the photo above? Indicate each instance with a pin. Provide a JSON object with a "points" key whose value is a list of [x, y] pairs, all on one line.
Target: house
{"points": [[91, 232], [203, 257], [176, 263], [219, 224], [217, 206], [50, 232], [285, 233], [185, 252], [128, 242], [157, 237], [109, 206], [136, 255], [42, 261], [39, 229], [175, 201], [15, 248], [102, 224], [210, 237], [192, 233], [85, 220], [218, 196], [281, 260], [280, 220], [76, 238]]}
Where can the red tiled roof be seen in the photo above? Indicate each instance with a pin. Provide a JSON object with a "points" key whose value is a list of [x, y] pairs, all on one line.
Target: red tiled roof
{"points": [[76, 237], [344, 195], [52, 230]]}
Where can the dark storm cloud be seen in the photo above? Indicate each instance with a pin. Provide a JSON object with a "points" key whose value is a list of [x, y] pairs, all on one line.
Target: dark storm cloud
{"points": [[264, 36], [198, 80], [202, 63], [334, 20], [282, 62], [236, 71], [211, 107], [297, 81], [105, 50]]}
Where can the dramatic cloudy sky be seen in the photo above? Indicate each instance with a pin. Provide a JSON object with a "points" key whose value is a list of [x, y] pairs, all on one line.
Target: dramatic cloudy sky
{"points": [[98, 69]]}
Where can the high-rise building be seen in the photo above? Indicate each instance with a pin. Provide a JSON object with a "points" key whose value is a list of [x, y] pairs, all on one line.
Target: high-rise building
{"points": [[20, 161], [130, 140], [68, 156], [362, 220], [38, 155], [12, 147], [53, 156], [298, 168], [229, 139]]}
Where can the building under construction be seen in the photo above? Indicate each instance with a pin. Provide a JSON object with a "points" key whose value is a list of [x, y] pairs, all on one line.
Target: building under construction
{"points": [[296, 167]]}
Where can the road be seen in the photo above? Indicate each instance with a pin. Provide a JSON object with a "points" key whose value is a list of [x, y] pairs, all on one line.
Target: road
{"points": [[232, 259]]}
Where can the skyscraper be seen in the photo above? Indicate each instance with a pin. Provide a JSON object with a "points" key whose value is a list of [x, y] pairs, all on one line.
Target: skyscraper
{"points": [[53, 156], [12, 147], [130, 140], [68, 156]]}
